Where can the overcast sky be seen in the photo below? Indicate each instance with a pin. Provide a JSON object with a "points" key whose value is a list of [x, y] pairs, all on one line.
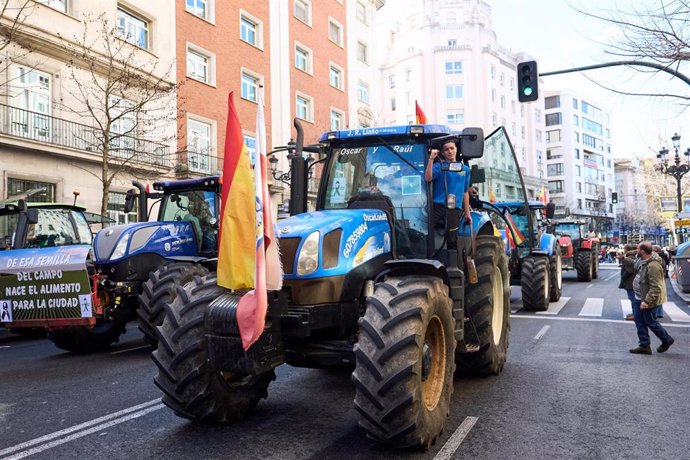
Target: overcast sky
{"points": [[559, 38]]}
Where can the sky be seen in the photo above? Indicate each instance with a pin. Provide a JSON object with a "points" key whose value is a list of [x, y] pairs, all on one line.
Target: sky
{"points": [[559, 37]]}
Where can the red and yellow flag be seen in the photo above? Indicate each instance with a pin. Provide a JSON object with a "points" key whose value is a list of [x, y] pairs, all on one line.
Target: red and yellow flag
{"points": [[237, 231], [542, 197], [519, 237], [268, 274], [419, 115]]}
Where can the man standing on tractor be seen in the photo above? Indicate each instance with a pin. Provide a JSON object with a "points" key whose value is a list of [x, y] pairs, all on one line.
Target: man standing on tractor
{"points": [[456, 183]]}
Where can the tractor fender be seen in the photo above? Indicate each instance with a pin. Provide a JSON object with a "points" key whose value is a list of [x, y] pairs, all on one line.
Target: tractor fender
{"points": [[406, 267], [586, 244], [546, 243], [481, 225]]}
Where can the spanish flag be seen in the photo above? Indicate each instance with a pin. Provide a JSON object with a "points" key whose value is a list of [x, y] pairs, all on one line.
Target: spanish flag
{"points": [[419, 115], [519, 237], [542, 197], [237, 233], [492, 197]]}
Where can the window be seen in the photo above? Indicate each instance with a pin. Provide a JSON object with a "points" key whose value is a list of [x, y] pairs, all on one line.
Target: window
{"points": [[303, 107], [30, 91], [578, 187], [60, 5], [336, 120], [116, 209], [361, 12], [250, 30], [494, 119], [123, 116], [452, 43], [199, 146], [502, 79], [556, 186], [455, 118], [362, 52], [453, 67], [453, 91], [408, 74], [553, 119], [553, 136], [576, 120], [336, 76], [303, 58], [198, 66], [198, 8], [391, 81], [133, 29], [363, 92], [578, 170], [503, 102], [493, 72], [493, 95], [335, 32], [303, 11], [577, 154], [250, 87], [555, 169], [552, 102], [392, 104], [36, 192], [575, 103]]}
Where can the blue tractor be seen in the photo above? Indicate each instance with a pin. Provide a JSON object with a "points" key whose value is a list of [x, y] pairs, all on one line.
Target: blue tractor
{"points": [[139, 264], [535, 255], [369, 281]]}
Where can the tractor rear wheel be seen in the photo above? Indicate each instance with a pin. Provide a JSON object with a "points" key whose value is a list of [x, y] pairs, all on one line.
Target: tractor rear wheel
{"points": [[535, 283], [159, 291], [404, 361], [583, 265], [556, 272], [487, 308], [80, 339], [191, 386]]}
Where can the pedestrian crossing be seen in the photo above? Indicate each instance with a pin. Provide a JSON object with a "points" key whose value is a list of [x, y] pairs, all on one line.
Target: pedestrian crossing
{"points": [[594, 307]]}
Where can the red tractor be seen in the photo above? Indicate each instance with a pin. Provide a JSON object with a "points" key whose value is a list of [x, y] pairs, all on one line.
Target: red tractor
{"points": [[579, 248]]}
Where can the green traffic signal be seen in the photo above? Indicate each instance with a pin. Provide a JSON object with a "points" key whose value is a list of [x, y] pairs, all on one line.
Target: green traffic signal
{"points": [[527, 91]]}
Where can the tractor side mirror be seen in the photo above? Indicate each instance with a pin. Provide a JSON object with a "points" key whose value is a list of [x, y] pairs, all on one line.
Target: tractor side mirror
{"points": [[130, 199], [550, 210], [472, 143]]}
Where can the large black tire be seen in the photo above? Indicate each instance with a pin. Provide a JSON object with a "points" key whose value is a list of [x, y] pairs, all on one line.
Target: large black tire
{"points": [[193, 388], [487, 307], [405, 361], [158, 291], [583, 265], [79, 339], [556, 271], [534, 281]]}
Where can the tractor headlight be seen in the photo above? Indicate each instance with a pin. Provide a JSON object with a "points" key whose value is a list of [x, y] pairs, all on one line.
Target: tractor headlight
{"points": [[121, 248], [308, 258]]}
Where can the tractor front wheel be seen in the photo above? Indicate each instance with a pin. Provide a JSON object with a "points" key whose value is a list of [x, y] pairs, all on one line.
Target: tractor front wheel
{"points": [[404, 361], [583, 265], [535, 283]]}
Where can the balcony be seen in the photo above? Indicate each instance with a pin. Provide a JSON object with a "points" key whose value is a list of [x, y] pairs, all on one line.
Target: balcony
{"points": [[45, 129]]}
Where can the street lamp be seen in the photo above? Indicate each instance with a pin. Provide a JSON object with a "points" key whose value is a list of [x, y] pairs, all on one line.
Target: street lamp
{"points": [[676, 169]]}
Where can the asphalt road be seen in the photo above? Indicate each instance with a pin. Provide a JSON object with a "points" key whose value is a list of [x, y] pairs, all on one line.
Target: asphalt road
{"points": [[570, 389]]}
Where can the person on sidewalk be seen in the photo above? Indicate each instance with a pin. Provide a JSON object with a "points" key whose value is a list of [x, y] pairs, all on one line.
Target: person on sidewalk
{"points": [[650, 293], [627, 263]]}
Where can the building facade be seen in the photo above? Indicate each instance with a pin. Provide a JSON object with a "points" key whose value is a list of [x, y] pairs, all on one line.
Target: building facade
{"points": [[444, 55]]}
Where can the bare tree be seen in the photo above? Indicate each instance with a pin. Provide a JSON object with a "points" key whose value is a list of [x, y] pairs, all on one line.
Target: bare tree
{"points": [[118, 88]]}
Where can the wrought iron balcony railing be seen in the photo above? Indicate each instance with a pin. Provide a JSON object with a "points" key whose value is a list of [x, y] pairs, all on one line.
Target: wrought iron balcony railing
{"points": [[50, 130]]}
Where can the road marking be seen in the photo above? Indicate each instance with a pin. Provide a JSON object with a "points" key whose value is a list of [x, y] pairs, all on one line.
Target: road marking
{"points": [[129, 349], [590, 286], [454, 442], [541, 333], [5, 346], [593, 307], [626, 305], [595, 320], [555, 307], [675, 313], [611, 277], [81, 430]]}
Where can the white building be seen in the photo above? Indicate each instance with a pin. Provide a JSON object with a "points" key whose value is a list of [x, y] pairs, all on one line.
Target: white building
{"points": [[445, 55], [580, 163]]}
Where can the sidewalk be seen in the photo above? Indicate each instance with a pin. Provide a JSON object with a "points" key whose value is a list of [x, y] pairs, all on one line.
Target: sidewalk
{"points": [[674, 284]]}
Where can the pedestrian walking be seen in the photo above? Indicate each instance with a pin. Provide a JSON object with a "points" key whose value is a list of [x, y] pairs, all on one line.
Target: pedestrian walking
{"points": [[627, 263], [650, 293]]}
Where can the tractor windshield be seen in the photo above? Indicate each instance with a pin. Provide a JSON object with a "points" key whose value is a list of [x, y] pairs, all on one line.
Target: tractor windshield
{"points": [[58, 227], [571, 230], [395, 171]]}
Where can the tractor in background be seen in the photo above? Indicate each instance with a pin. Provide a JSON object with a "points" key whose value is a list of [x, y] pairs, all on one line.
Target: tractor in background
{"points": [[579, 248], [535, 255], [370, 281]]}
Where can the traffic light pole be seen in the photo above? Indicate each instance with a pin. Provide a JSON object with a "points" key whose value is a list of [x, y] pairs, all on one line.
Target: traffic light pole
{"points": [[654, 65]]}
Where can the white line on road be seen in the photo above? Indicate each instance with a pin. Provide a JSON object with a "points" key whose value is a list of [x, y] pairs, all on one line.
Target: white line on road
{"points": [[589, 286], [593, 306], [541, 333], [129, 349], [454, 442], [595, 320], [5, 346], [555, 307], [611, 277], [129, 413], [626, 306], [675, 313]]}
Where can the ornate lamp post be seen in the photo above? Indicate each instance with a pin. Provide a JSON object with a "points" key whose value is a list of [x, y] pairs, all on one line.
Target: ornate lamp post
{"points": [[676, 169]]}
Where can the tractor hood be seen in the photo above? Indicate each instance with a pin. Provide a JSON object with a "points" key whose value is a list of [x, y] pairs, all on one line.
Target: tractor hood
{"points": [[332, 243], [167, 239]]}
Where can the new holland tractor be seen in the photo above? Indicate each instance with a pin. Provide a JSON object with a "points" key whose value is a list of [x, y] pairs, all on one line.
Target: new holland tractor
{"points": [[579, 250], [140, 263], [369, 281], [535, 255]]}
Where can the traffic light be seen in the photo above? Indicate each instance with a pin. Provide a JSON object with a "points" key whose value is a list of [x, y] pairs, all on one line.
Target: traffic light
{"points": [[614, 197], [528, 80]]}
